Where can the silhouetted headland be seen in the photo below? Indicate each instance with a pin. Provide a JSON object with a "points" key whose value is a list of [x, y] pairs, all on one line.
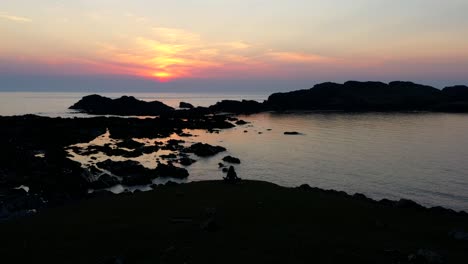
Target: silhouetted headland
{"points": [[351, 96]]}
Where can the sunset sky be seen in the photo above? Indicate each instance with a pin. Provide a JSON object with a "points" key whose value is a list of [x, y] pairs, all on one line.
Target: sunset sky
{"points": [[229, 44]]}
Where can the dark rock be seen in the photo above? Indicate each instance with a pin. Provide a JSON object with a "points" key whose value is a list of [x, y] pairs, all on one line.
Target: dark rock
{"points": [[104, 181], [231, 159], [305, 187], [360, 196], [359, 96], [169, 156], [130, 144], [408, 204], [387, 203], [225, 170], [186, 161], [125, 105], [456, 93], [171, 183], [185, 105], [292, 133], [241, 123], [221, 165], [123, 168], [171, 171], [238, 107], [137, 179], [204, 150]]}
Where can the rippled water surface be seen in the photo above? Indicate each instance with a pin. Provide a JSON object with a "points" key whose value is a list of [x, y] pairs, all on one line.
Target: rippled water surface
{"points": [[419, 156]]}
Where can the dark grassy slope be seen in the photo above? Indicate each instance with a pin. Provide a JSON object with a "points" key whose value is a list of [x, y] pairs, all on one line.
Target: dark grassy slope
{"points": [[252, 222]]}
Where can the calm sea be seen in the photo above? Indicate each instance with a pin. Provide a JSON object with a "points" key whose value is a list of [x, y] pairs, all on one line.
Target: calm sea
{"points": [[419, 156]]}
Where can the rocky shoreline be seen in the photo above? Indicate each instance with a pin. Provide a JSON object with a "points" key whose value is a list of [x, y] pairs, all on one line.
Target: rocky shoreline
{"points": [[37, 152], [352, 96]]}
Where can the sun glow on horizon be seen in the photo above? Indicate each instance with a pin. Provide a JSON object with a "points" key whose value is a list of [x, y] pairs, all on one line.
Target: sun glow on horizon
{"points": [[158, 48], [163, 76]]}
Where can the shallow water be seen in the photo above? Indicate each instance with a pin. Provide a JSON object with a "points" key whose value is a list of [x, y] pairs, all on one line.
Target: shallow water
{"points": [[419, 156]]}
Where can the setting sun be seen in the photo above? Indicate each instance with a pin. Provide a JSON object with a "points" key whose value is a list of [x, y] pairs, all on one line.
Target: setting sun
{"points": [[163, 76]]}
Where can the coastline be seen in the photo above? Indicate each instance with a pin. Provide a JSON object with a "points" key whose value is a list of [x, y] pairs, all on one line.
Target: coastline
{"points": [[37, 153]]}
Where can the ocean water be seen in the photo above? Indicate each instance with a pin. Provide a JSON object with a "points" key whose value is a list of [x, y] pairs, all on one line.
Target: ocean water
{"points": [[55, 104], [418, 156]]}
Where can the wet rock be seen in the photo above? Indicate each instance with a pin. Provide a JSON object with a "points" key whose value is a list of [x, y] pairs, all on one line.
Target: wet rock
{"points": [[169, 156], [173, 145], [186, 161], [104, 181], [292, 133], [171, 171], [241, 122], [130, 144], [123, 168], [137, 179], [132, 172], [171, 183], [147, 150], [221, 165], [186, 105], [204, 150], [225, 170], [231, 159]]}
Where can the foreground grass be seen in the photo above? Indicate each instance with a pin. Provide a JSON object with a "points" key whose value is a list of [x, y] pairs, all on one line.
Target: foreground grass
{"points": [[214, 222]]}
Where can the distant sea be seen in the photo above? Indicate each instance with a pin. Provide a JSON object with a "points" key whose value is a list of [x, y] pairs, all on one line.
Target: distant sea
{"points": [[54, 104], [418, 156]]}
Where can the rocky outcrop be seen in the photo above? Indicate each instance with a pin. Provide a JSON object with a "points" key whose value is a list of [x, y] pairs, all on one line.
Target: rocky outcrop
{"points": [[185, 105], [171, 171], [204, 150], [359, 96], [125, 105], [231, 159], [104, 181], [372, 96], [238, 107]]}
